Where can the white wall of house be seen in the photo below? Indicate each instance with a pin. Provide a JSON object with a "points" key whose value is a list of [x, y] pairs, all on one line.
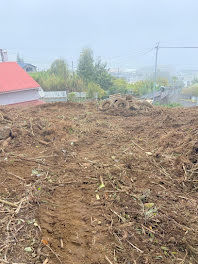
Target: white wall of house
{"points": [[19, 96]]}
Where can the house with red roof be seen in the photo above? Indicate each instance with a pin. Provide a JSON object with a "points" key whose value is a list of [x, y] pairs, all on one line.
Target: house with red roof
{"points": [[16, 85]]}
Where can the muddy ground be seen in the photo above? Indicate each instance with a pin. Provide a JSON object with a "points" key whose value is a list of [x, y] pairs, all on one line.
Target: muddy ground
{"points": [[78, 185]]}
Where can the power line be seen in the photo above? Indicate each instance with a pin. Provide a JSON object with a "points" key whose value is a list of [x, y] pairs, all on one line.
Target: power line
{"points": [[148, 51], [133, 54], [125, 59], [184, 47]]}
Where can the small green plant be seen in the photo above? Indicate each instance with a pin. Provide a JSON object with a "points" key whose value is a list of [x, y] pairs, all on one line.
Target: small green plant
{"points": [[70, 130], [72, 97]]}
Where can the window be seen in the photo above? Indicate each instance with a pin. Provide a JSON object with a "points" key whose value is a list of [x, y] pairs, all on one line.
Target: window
{"points": [[29, 69]]}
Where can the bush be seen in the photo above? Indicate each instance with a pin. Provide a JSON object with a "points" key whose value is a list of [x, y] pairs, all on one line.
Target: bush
{"points": [[50, 82], [72, 97], [141, 87], [191, 91], [119, 86], [94, 91]]}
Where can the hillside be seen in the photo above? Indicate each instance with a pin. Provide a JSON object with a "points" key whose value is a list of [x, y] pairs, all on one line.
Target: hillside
{"points": [[78, 185]]}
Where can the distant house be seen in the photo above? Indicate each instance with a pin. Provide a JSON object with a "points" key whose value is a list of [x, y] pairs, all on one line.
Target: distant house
{"points": [[16, 86], [27, 67]]}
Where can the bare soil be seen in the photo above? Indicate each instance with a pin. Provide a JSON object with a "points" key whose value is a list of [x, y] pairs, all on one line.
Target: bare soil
{"points": [[78, 185]]}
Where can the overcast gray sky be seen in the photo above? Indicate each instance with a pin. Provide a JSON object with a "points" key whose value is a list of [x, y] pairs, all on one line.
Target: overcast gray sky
{"points": [[120, 31]]}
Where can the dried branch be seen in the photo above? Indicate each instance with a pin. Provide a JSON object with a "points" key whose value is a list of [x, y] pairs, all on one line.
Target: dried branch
{"points": [[8, 203]]}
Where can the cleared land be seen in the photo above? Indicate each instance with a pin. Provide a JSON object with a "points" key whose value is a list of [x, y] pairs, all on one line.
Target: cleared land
{"points": [[78, 185]]}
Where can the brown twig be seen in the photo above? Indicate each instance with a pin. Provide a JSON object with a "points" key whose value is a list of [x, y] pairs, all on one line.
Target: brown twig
{"points": [[8, 203], [46, 261], [2, 116], [54, 253], [108, 260], [19, 207], [101, 180], [31, 126], [4, 261], [183, 260], [16, 176], [122, 218], [135, 247], [61, 243], [148, 229], [137, 145]]}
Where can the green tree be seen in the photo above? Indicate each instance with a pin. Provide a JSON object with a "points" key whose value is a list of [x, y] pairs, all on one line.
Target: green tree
{"points": [[59, 68], [86, 66], [76, 83], [141, 87], [101, 75], [118, 86], [58, 77]]}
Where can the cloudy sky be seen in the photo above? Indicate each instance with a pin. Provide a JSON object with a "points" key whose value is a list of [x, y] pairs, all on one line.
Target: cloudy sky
{"points": [[122, 32]]}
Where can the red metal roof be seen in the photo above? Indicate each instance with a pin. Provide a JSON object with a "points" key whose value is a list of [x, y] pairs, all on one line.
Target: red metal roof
{"points": [[14, 78]]}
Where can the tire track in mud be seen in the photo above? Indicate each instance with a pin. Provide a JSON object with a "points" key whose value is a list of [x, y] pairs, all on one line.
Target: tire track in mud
{"points": [[73, 213], [73, 217]]}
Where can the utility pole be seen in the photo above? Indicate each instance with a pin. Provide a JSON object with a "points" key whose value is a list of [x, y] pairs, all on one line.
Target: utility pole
{"points": [[72, 76], [73, 68], [156, 61]]}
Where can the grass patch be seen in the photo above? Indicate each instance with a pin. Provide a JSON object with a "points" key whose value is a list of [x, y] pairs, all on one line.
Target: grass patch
{"points": [[170, 105]]}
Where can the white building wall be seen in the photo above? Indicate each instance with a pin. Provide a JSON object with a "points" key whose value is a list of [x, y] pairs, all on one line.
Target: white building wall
{"points": [[19, 97]]}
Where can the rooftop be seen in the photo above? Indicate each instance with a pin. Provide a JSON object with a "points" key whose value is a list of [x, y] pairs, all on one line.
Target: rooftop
{"points": [[14, 78]]}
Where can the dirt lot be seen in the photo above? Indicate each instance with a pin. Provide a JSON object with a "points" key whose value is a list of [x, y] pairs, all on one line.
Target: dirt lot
{"points": [[78, 185]]}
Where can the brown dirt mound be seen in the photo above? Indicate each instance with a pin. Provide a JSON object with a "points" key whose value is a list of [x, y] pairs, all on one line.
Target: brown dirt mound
{"points": [[82, 186]]}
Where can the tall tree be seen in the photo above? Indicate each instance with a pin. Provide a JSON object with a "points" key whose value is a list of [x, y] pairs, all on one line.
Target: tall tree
{"points": [[101, 75], [59, 68], [86, 65]]}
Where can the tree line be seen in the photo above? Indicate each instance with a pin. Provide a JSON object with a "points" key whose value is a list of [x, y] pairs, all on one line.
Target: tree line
{"points": [[92, 76]]}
